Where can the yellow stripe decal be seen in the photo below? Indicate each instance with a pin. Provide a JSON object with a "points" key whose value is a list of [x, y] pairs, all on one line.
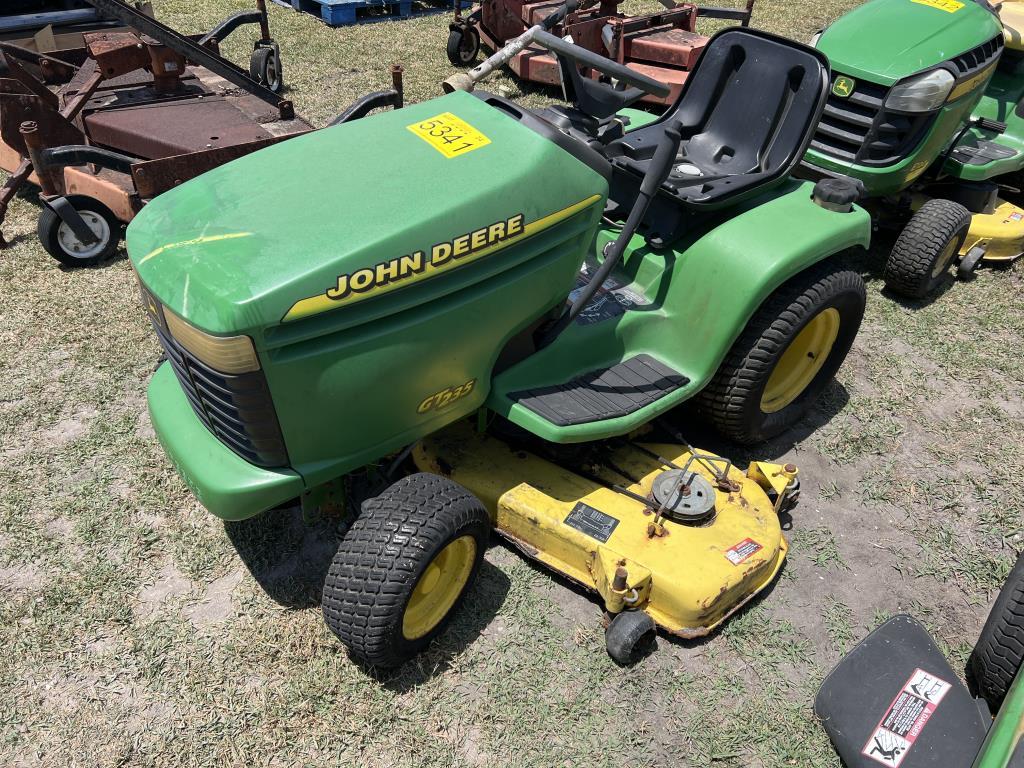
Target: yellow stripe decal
{"points": [[969, 85], [193, 241], [415, 267]]}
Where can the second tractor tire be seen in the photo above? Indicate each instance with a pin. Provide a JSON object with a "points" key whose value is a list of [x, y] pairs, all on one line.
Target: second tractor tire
{"points": [[423, 528], [734, 402], [999, 652], [60, 242], [926, 248], [463, 46]]}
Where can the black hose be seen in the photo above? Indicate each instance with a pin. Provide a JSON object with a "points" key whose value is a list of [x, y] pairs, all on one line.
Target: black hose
{"points": [[657, 172]]}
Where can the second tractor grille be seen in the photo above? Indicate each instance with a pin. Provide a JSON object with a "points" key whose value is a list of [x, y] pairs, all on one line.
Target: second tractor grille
{"points": [[236, 408], [977, 59], [858, 129]]}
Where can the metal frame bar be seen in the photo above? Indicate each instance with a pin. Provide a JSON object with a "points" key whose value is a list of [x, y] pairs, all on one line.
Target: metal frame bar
{"points": [[193, 52]]}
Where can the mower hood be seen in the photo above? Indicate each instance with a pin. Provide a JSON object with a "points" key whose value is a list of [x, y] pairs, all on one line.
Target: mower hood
{"points": [[318, 223], [886, 40]]}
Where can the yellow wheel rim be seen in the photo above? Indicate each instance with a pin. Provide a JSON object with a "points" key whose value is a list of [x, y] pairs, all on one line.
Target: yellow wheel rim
{"points": [[439, 587], [801, 361], [945, 258]]}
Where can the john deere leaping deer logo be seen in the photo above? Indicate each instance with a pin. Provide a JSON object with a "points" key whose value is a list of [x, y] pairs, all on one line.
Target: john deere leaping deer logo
{"points": [[843, 86]]}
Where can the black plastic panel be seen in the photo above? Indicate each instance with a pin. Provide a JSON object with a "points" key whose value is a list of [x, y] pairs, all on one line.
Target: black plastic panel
{"points": [[603, 394], [897, 677]]}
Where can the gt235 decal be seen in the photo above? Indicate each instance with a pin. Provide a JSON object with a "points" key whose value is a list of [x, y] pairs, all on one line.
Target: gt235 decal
{"points": [[446, 396]]}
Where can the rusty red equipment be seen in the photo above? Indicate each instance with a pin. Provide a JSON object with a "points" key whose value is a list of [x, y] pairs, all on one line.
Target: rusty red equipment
{"points": [[663, 45], [134, 113]]}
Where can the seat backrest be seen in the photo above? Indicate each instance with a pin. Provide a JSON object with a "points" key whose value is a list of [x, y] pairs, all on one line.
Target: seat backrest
{"points": [[751, 102], [747, 111]]}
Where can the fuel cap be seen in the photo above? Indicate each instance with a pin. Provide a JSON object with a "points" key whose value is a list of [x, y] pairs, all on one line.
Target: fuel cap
{"points": [[837, 194]]}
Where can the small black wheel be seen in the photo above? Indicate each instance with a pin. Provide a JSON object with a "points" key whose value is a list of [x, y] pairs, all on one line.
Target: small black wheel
{"points": [[999, 652], [61, 243], [630, 636], [969, 263], [463, 46], [926, 248], [789, 351], [402, 568], [265, 68]]}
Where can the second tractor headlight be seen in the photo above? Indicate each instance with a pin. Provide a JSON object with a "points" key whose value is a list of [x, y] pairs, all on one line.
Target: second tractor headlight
{"points": [[921, 93]]}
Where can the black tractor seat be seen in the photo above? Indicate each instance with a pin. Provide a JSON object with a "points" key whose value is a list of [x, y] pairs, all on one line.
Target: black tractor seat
{"points": [[746, 114]]}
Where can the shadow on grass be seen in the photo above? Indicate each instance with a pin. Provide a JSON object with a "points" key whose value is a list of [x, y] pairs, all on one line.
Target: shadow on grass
{"points": [[287, 556], [829, 404]]}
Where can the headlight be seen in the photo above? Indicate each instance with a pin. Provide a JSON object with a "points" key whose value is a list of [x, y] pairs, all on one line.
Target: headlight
{"points": [[225, 354], [922, 93]]}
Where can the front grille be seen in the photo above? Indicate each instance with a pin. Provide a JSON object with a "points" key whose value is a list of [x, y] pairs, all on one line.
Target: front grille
{"points": [[236, 408], [860, 130], [977, 59]]}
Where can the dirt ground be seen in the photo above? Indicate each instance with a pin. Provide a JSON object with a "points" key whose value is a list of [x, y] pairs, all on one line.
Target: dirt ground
{"points": [[138, 630]]}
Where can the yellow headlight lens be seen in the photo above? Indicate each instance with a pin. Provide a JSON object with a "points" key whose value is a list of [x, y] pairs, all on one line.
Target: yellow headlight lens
{"points": [[226, 354]]}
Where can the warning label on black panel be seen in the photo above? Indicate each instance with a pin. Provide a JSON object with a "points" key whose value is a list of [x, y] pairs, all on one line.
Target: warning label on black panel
{"points": [[902, 723], [593, 522]]}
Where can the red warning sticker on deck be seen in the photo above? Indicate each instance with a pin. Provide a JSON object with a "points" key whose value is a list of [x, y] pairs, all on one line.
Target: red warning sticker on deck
{"points": [[902, 723], [740, 553]]}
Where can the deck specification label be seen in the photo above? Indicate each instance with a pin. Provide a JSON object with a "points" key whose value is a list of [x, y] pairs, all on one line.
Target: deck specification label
{"points": [[593, 522]]}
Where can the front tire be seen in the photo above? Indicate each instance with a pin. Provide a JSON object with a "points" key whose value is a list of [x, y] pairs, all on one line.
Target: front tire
{"points": [[403, 567], [999, 652], [60, 242], [463, 46], [926, 248], [788, 352]]}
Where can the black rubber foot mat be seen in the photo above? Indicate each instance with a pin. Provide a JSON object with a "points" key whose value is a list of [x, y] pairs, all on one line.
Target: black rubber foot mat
{"points": [[603, 394]]}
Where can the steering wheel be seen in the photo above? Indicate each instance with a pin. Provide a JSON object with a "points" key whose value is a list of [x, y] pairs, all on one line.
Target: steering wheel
{"points": [[581, 56]]}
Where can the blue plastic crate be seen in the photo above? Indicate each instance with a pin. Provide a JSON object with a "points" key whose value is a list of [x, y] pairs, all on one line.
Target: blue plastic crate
{"points": [[342, 12]]}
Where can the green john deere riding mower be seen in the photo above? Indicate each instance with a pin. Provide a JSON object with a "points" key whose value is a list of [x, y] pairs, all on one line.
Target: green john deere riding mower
{"points": [[926, 111], [487, 307], [895, 700]]}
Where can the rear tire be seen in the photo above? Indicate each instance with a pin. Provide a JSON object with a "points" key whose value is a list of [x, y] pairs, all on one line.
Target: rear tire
{"points": [[751, 397], [403, 567], [998, 654], [60, 242], [926, 248], [463, 46]]}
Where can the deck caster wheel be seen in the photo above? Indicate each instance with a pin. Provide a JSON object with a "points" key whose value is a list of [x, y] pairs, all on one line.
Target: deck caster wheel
{"points": [[403, 567], [630, 636], [61, 242], [969, 263], [999, 652], [789, 351], [463, 46], [265, 68], [926, 248]]}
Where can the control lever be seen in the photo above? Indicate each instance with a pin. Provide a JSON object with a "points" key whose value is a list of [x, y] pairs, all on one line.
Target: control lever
{"points": [[657, 172]]}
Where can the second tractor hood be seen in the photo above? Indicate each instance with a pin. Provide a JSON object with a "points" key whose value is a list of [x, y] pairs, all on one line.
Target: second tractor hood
{"points": [[886, 40], [293, 230]]}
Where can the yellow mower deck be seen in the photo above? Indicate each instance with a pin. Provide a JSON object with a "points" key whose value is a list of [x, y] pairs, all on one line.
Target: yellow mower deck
{"points": [[688, 578], [1000, 233]]}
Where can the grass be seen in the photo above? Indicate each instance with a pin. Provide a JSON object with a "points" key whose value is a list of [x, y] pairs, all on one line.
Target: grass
{"points": [[135, 631]]}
